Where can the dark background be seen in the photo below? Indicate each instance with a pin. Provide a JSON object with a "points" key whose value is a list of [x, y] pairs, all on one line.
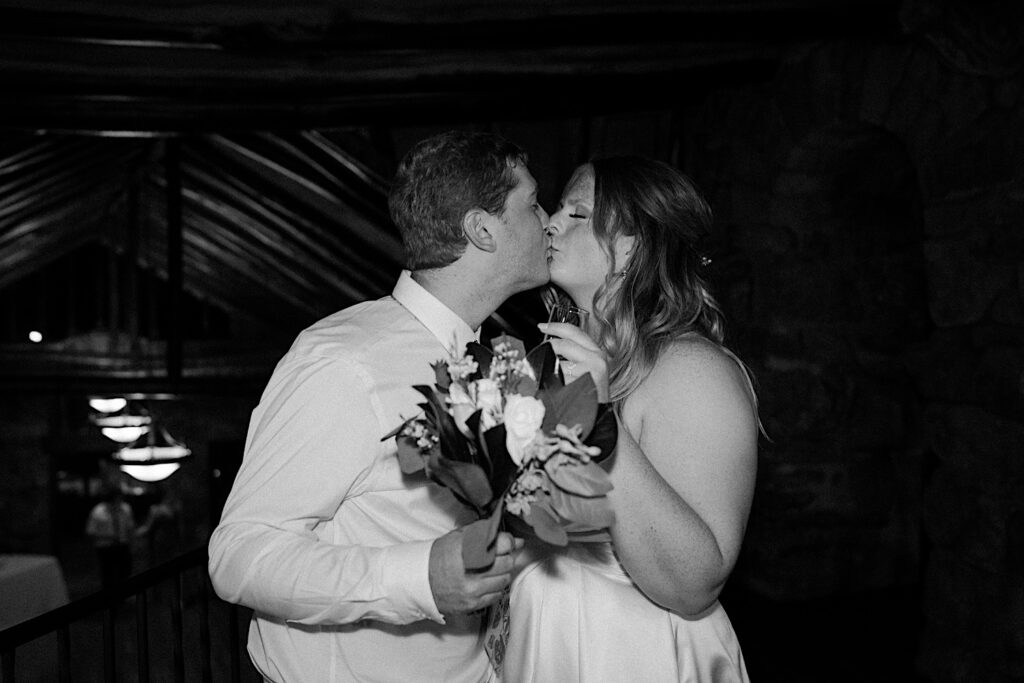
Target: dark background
{"points": [[184, 187]]}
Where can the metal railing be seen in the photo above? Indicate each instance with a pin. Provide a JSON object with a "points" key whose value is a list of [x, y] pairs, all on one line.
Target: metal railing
{"points": [[174, 609]]}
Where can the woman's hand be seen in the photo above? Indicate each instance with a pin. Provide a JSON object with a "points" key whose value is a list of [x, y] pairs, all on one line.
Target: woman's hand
{"points": [[580, 354]]}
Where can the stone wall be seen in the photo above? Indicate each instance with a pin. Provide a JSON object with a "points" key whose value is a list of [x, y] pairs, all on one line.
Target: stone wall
{"points": [[871, 258]]}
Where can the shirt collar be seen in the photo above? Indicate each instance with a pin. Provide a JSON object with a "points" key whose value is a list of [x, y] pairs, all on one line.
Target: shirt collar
{"points": [[452, 331]]}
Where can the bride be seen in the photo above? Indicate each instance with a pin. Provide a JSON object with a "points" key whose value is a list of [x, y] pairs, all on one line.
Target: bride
{"points": [[644, 607]]}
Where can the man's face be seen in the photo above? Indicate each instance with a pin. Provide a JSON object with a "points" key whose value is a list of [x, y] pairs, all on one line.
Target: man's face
{"points": [[523, 249]]}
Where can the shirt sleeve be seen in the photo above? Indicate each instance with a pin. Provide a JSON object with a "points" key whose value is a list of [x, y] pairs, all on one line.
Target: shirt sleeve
{"points": [[310, 440]]}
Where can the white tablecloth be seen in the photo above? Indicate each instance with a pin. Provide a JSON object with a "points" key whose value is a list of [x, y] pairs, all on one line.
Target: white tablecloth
{"points": [[29, 586]]}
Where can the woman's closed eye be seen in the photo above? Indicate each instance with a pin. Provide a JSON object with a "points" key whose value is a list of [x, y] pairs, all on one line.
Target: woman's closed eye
{"points": [[578, 216]]}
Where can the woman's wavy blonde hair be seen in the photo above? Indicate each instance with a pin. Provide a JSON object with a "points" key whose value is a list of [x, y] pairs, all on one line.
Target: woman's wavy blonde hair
{"points": [[660, 295]]}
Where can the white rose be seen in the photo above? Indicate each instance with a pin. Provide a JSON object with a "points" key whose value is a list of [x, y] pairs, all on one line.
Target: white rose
{"points": [[523, 417]]}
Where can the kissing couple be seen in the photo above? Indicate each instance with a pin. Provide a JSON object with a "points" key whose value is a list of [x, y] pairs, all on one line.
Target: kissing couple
{"points": [[354, 570]]}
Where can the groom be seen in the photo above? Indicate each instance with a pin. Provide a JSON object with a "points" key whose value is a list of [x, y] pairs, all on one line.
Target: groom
{"points": [[354, 570]]}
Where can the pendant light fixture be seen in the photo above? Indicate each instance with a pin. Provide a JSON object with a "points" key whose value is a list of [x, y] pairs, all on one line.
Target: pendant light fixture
{"points": [[120, 420], [112, 404], [154, 456]]}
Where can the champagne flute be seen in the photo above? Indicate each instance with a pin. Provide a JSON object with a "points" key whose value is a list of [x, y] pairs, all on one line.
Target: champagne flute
{"points": [[567, 313], [562, 312]]}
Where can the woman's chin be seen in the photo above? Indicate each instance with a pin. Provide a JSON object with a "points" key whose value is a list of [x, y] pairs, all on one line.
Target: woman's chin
{"points": [[562, 277]]}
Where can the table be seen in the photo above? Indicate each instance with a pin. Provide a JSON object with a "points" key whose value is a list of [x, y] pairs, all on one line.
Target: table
{"points": [[30, 585]]}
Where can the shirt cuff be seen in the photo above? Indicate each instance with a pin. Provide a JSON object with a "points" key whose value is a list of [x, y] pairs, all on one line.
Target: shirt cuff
{"points": [[407, 578]]}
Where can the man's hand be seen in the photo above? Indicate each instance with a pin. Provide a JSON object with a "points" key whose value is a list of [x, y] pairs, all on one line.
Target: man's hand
{"points": [[458, 591]]}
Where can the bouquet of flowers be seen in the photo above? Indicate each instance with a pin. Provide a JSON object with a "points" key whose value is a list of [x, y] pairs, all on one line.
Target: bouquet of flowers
{"points": [[510, 439]]}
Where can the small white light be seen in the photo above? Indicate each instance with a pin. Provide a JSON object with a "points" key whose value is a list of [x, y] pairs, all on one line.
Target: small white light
{"points": [[153, 456], [35, 336], [121, 419], [107, 405], [157, 472], [124, 434], [147, 453]]}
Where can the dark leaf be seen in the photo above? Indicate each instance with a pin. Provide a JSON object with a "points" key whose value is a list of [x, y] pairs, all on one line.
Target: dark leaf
{"points": [[503, 469], [542, 360], [516, 525], [582, 479], [441, 376], [483, 357], [582, 513], [473, 421], [571, 405], [478, 540], [477, 452], [410, 458], [466, 480], [545, 524], [436, 466], [605, 433], [480, 455], [395, 431], [453, 444], [434, 402], [514, 343]]}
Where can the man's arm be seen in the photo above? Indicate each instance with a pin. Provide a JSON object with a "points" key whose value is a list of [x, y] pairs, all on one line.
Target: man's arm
{"points": [[312, 436]]}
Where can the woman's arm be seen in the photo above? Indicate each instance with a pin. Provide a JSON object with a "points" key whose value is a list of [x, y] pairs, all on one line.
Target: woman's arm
{"points": [[684, 476]]}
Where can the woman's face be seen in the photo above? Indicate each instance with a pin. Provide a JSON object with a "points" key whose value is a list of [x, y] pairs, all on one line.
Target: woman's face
{"points": [[577, 262]]}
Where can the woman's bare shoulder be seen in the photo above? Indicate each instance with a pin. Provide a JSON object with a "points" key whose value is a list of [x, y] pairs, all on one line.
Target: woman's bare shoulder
{"points": [[695, 359], [693, 369]]}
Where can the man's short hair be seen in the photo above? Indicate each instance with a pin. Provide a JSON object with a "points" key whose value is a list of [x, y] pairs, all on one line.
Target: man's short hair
{"points": [[439, 181]]}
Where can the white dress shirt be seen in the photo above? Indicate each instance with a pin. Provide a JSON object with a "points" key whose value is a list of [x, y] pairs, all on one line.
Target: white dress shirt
{"points": [[322, 535]]}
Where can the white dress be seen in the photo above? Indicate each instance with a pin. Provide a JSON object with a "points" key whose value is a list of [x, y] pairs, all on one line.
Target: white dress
{"points": [[576, 616]]}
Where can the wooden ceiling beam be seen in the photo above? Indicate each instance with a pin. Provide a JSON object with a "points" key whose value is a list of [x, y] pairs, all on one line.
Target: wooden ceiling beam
{"points": [[389, 24], [150, 68]]}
